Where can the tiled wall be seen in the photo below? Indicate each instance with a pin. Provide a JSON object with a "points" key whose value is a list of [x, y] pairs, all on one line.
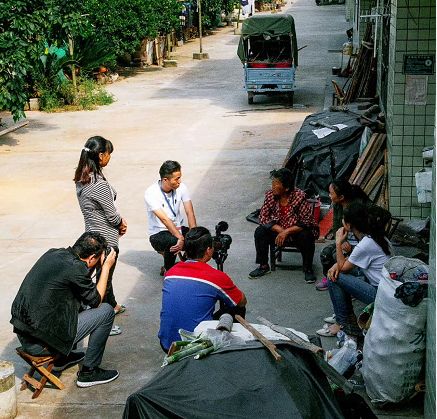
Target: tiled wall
{"points": [[409, 127], [430, 406]]}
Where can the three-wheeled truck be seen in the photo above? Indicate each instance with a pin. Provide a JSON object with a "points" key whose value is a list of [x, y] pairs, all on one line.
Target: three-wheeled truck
{"points": [[268, 51]]}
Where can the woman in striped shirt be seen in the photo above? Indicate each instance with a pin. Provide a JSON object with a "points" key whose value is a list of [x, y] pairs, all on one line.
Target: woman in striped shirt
{"points": [[97, 202]]}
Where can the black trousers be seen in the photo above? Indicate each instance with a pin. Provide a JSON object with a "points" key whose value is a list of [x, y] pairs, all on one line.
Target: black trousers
{"points": [[162, 242], [304, 241]]}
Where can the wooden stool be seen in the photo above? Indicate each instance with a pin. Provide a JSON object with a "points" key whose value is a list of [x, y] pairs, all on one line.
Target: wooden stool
{"points": [[42, 364]]}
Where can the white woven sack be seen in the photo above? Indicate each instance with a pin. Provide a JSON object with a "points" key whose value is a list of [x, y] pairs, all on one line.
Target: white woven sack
{"points": [[394, 346]]}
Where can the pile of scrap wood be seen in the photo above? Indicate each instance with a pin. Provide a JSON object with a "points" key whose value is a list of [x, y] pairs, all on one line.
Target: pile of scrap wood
{"points": [[363, 81], [371, 170]]}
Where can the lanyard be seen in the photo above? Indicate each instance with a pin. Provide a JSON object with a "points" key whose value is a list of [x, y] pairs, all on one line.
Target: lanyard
{"points": [[168, 202]]}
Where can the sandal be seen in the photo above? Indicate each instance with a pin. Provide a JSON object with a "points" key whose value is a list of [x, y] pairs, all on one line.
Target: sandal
{"points": [[326, 331], [122, 309], [115, 331]]}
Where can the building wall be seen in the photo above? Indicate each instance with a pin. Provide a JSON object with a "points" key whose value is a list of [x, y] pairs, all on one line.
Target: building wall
{"points": [[409, 127], [430, 406]]}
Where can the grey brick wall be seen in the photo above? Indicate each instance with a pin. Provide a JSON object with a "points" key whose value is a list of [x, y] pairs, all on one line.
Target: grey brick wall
{"points": [[430, 406]]}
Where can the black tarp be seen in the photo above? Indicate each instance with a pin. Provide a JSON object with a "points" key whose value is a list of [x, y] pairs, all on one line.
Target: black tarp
{"points": [[237, 384], [315, 162]]}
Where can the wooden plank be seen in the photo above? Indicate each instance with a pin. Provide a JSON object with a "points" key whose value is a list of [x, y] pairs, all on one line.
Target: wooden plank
{"points": [[375, 163], [362, 158], [289, 334], [376, 177], [269, 345], [370, 157], [14, 127]]}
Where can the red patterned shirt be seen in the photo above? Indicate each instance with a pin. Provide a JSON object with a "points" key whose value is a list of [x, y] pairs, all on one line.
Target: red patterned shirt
{"points": [[300, 212]]}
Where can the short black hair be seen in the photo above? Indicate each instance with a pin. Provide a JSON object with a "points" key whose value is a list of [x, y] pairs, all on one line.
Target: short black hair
{"points": [[284, 176], [168, 168], [90, 243], [197, 240]]}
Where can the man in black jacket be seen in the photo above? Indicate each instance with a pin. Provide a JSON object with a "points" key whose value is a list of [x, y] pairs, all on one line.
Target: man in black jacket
{"points": [[46, 313]]}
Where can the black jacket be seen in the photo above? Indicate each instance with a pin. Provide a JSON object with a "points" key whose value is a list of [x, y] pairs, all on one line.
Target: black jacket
{"points": [[48, 301]]}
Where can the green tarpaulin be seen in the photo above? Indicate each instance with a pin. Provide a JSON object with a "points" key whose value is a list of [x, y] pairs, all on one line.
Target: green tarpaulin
{"points": [[267, 26]]}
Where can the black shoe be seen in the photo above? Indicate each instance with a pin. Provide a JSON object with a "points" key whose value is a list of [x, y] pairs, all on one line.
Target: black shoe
{"points": [[310, 278], [258, 272], [71, 359], [95, 376]]}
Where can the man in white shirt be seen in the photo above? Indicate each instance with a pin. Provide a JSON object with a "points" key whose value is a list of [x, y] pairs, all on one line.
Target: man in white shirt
{"points": [[163, 204]]}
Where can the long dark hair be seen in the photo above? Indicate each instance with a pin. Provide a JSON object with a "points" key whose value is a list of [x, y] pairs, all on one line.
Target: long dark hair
{"points": [[369, 219], [350, 192], [89, 162]]}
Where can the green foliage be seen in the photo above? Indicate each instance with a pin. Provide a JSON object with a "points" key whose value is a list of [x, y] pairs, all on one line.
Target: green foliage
{"points": [[87, 96], [27, 25], [125, 23], [91, 52]]}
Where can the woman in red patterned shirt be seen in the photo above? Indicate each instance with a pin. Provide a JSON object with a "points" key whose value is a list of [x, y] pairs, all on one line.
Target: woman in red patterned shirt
{"points": [[285, 216]]}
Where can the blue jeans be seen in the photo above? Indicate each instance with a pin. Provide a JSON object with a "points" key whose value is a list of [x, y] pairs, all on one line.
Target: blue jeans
{"points": [[342, 291]]}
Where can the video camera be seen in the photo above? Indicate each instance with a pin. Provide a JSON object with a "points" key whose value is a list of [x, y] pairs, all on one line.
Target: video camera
{"points": [[221, 243]]}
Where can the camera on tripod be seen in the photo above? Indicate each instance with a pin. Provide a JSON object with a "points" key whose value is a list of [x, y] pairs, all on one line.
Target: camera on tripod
{"points": [[221, 243]]}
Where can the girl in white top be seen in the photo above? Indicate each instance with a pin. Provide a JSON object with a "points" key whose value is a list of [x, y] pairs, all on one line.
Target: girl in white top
{"points": [[367, 223]]}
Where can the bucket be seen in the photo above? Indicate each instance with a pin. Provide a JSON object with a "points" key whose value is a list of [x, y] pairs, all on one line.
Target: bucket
{"points": [[336, 71]]}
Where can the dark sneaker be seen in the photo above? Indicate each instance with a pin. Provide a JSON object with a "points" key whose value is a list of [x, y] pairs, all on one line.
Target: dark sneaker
{"points": [[95, 376], [259, 272], [71, 359], [310, 278]]}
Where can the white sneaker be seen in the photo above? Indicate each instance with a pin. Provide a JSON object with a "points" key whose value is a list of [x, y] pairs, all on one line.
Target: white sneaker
{"points": [[115, 330], [330, 319]]}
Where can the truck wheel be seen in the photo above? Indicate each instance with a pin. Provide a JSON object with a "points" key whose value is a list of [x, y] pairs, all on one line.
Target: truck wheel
{"points": [[250, 96], [290, 97]]}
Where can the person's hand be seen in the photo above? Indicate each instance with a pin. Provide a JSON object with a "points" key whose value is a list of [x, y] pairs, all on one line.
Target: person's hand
{"points": [[340, 235], [346, 247], [108, 260], [333, 273], [178, 246], [123, 227], [280, 238]]}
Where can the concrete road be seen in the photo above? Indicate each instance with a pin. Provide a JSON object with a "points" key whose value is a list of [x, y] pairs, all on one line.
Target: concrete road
{"points": [[197, 114]]}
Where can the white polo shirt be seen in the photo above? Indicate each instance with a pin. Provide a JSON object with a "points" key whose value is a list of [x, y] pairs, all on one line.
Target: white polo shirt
{"points": [[155, 199]]}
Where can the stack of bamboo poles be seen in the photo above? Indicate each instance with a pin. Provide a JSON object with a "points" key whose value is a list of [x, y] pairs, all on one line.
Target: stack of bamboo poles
{"points": [[363, 81], [371, 171]]}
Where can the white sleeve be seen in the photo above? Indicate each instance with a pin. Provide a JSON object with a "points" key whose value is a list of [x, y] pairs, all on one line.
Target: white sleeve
{"points": [[152, 201], [361, 256], [185, 194]]}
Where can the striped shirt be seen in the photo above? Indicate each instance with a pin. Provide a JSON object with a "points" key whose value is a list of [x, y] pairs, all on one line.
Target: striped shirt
{"points": [[97, 203]]}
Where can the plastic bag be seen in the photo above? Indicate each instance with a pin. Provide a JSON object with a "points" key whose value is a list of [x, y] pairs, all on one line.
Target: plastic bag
{"points": [[394, 346], [345, 357], [221, 339]]}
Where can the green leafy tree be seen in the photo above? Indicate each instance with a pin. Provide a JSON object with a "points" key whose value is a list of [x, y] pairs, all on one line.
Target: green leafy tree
{"points": [[125, 23]]}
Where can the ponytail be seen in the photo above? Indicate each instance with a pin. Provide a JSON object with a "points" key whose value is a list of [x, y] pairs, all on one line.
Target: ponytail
{"points": [[89, 162], [378, 221]]}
